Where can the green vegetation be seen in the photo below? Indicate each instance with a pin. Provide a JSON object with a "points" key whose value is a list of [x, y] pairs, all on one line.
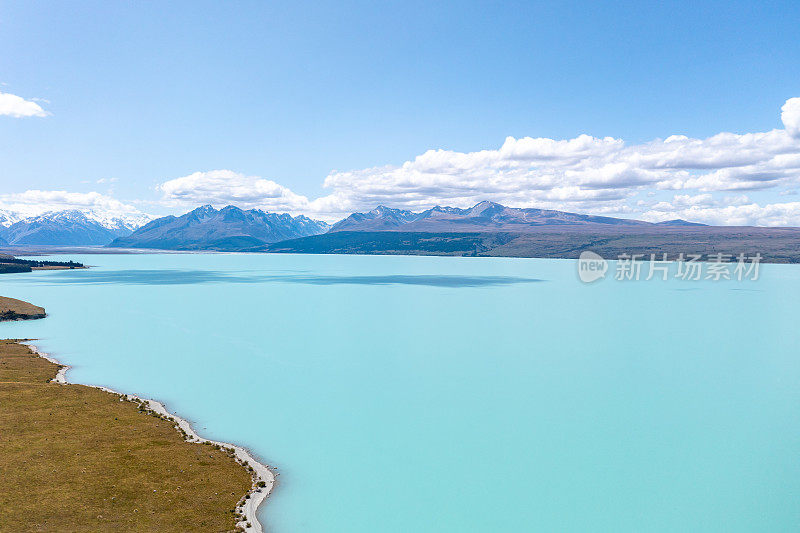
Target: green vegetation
{"points": [[76, 458], [776, 245], [6, 268], [10, 264]]}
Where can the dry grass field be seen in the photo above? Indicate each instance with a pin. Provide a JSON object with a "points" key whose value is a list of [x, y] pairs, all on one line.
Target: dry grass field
{"points": [[13, 309], [75, 458]]}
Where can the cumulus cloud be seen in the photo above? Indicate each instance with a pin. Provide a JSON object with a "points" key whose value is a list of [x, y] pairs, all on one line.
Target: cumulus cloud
{"points": [[223, 187], [16, 106], [601, 175], [584, 170], [528, 171], [790, 116], [737, 211]]}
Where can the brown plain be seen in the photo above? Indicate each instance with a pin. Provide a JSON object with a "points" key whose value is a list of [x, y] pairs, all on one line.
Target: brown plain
{"points": [[76, 458], [13, 309]]}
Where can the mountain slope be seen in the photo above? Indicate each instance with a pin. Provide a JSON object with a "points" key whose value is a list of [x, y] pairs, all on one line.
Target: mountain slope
{"points": [[230, 228], [72, 227], [485, 216], [381, 218]]}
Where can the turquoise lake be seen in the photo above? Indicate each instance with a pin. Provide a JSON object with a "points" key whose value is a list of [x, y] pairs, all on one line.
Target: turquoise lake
{"points": [[431, 394]]}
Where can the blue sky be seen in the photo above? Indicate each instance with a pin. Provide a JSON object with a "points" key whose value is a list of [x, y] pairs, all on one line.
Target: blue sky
{"points": [[275, 97]]}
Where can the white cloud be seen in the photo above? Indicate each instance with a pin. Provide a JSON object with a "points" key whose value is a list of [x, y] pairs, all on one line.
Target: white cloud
{"points": [[527, 171], [790, 116], [223, 187], [732, 211], [16, 106], [586, 174]]}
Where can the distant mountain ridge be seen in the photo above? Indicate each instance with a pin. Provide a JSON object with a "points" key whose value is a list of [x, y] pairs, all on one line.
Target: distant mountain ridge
{"points": [[226, 229], [484, 216], [678, 222], [234, 229], [70, 227]]}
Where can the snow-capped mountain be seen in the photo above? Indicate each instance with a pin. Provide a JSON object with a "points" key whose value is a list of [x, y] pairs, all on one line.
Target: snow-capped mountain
{"points": [[70, 227], [127, 223]]}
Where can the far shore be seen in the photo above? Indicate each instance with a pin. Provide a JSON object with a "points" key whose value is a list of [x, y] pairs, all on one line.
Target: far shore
{"points": [[51, 249], [10, 264]]}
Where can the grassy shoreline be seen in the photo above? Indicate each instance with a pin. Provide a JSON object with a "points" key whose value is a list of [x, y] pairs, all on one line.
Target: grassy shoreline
{"points": [[13, 309], [82, 458]]}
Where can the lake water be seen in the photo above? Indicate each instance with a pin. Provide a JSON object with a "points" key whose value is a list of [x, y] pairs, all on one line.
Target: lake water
{"points": [[425, 394]]}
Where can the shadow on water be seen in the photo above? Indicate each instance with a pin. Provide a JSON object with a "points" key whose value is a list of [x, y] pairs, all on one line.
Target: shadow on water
{"points": [[190, 277], [433, 281]]}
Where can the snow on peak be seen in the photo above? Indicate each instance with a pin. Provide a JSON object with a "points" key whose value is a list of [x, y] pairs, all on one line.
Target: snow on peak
{"points": [[9, 217], [114, 221]]}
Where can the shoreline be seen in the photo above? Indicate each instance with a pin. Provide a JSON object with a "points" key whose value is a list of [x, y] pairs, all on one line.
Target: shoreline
{"points": [[264, 479]]}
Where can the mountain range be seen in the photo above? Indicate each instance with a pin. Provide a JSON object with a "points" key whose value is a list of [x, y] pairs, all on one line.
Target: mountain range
{"points": [[226, 229], [486, 229], [235, 229], [484, 216], [71, 227]]}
